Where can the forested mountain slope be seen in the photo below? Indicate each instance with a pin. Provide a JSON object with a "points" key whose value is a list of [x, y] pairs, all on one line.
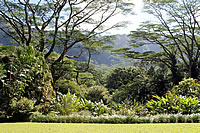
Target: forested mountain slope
{"points": [[100, 58]]}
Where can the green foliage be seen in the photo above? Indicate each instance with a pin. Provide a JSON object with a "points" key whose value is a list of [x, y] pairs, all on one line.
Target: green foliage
{"points": [[119, 77], [70, 103], [66, 104], [173, 104], [99, 108], [2, 72], [69, 85], [89, 75], [86, 78], [6, 50], [62, 69], [171, 118], [21, 109], [98, 93], [188, 87], [23, 105], [138, 83], [96, 108], [26, 74]]}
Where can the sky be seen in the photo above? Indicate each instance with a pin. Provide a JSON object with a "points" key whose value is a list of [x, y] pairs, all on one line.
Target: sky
{"points": [[135, 20]]}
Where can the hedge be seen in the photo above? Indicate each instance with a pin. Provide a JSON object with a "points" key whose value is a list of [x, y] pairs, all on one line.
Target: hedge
{"points": [[171, 118]]}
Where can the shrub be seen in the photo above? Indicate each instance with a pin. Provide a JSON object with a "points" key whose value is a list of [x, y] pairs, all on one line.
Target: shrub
{"points": [[66, 104], [188, 87], [173, 104], [172, 118], [66, 85], [98, 93], [21, 110], [27, 75]]}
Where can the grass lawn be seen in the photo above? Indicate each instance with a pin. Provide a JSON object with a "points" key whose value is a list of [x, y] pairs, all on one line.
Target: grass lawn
{"points": [[98, 128]]}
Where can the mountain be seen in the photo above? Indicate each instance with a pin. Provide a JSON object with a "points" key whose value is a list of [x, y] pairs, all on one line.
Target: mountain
{"points": [[101, 58], [5, 40]]}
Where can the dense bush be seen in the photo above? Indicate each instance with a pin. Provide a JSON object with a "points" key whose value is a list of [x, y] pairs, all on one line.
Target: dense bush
{"points": [[138, 83], [21, 109], [25, 74], [188, 87], [64, 86], [28, 75], [173, 104], [66, 104], [98, 93]]}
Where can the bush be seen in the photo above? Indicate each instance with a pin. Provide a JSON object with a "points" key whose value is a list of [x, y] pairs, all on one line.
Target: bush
{"points": [[95, 108], [98, 93], [188, 87], [65, 104], [173, 104], [21, 110], [66, 85], [27, 75]]}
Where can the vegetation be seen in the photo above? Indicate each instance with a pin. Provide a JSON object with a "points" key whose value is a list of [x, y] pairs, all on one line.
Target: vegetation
{"points": [[173, 118], [39, 84]]}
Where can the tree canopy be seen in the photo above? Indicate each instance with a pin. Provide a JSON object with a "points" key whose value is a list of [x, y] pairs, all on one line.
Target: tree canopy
{"points": [[176, 31]]}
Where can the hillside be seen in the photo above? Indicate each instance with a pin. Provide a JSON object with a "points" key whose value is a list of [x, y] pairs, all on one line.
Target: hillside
{"points": [[101, 58]]}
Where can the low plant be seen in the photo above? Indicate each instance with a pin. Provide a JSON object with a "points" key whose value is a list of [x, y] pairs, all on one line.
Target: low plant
{"points": [[117, 119], [21, 110], [66, 104], [173, 104]]}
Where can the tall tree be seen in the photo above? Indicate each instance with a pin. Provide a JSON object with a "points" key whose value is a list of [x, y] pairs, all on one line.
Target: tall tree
{"points": [[176, 30], [179, 20], [47, 23]]}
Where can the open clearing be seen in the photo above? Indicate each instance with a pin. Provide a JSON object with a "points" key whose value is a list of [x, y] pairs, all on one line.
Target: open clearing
{"points": [[98, 128]]}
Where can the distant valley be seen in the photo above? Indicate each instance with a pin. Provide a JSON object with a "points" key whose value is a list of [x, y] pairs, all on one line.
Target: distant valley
{"points": [[100, 58]]}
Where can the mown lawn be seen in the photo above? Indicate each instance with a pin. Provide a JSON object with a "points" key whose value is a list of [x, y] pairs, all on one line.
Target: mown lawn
{"points": [[98, 128]]}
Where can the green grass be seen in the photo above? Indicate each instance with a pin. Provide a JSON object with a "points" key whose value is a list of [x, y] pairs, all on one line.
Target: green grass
{"points": [[98, 128]]}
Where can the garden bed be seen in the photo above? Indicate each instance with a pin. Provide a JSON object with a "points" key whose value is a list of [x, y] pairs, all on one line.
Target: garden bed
{"points": [[172, 118]]}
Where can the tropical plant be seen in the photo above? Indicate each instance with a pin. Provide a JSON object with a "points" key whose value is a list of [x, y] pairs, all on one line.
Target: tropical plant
{"points": [[173, 104], [65, 104], [26, 75], [96, 108], [98, 93], [21, 109], [188, 87]]}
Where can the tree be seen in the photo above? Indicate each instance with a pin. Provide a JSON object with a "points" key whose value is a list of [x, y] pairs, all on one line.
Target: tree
{"points": [[181, 28], [176, 30], [138, 83], [120, 76], [66, 22]]}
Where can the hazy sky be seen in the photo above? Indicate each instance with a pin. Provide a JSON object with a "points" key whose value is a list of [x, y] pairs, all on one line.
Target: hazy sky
{"points": [[135, 20]]}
